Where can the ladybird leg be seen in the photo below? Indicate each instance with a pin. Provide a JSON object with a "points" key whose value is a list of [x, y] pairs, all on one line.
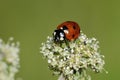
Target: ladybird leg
{"points": [[67, 43]]}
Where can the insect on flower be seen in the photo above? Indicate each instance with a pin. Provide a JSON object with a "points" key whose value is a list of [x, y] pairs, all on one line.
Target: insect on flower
{"points": [[74, 54], [68, 30]]}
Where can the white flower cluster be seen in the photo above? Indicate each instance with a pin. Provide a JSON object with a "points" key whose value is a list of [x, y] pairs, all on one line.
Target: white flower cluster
{"points": [[72, 59], [9, 59]]}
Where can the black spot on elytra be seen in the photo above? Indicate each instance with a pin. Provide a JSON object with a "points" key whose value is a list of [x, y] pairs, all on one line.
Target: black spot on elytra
{"points": [[65, 27], [73, 36], [74, 27]]}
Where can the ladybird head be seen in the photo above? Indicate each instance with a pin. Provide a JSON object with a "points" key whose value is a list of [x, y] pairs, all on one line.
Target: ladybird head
{"points": [[59, 35]]}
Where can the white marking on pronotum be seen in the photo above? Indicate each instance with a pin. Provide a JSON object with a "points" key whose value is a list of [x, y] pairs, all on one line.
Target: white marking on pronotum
{"points": [[61, 34], [66, 31], [61, 38]]}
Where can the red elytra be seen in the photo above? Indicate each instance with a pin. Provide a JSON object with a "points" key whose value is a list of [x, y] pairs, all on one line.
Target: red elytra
{"points": [[73, 30]]}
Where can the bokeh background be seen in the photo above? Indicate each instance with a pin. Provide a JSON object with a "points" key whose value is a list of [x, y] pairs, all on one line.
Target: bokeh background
{"points": [[31, 21]]}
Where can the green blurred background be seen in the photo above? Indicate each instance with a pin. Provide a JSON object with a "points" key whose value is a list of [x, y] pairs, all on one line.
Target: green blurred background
{"points": [[31, 21]]}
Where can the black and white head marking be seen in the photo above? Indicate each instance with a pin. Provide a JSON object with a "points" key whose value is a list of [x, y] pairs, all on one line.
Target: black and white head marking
{"points": [[59, 35]]}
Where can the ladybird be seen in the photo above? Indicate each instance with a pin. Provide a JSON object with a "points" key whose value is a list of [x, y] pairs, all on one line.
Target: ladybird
{"points": [[68, 30]]}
